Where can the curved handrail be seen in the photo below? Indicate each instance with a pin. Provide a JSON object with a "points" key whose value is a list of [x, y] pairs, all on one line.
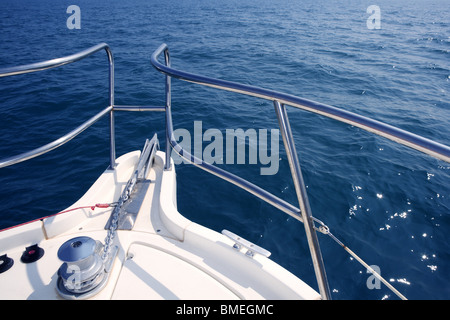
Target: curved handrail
{"points": [[48, 64], [54, 144], [304, 214], [433, 148], [53, 63]]}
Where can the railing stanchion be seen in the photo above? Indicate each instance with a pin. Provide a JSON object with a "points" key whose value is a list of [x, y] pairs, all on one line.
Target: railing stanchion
{"points": [[112, 135], [302, 196], [168, 90]]}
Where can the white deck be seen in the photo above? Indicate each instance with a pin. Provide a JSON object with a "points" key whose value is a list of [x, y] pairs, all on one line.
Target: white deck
{"points": [[164, 256]]}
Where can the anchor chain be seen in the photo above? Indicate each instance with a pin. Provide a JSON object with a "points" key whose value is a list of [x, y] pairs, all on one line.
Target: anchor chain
{"points": [[115, 217], [145, 160]]}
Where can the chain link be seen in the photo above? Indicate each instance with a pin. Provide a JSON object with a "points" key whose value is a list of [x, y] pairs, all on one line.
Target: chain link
{"points": [[115, 218], [146, 157]]}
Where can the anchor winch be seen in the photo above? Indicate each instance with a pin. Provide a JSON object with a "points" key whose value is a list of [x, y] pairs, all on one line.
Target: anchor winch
{"points": [[83, 272]]}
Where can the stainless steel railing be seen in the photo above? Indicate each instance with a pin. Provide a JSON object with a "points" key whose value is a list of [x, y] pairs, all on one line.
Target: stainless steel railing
{"points": [[305, 210], [44, 65], [279, 99], [398, 135], [54, 144]]}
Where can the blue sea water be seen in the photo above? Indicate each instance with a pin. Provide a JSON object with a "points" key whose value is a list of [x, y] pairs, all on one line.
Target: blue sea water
{"points": [[387, 203]]}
